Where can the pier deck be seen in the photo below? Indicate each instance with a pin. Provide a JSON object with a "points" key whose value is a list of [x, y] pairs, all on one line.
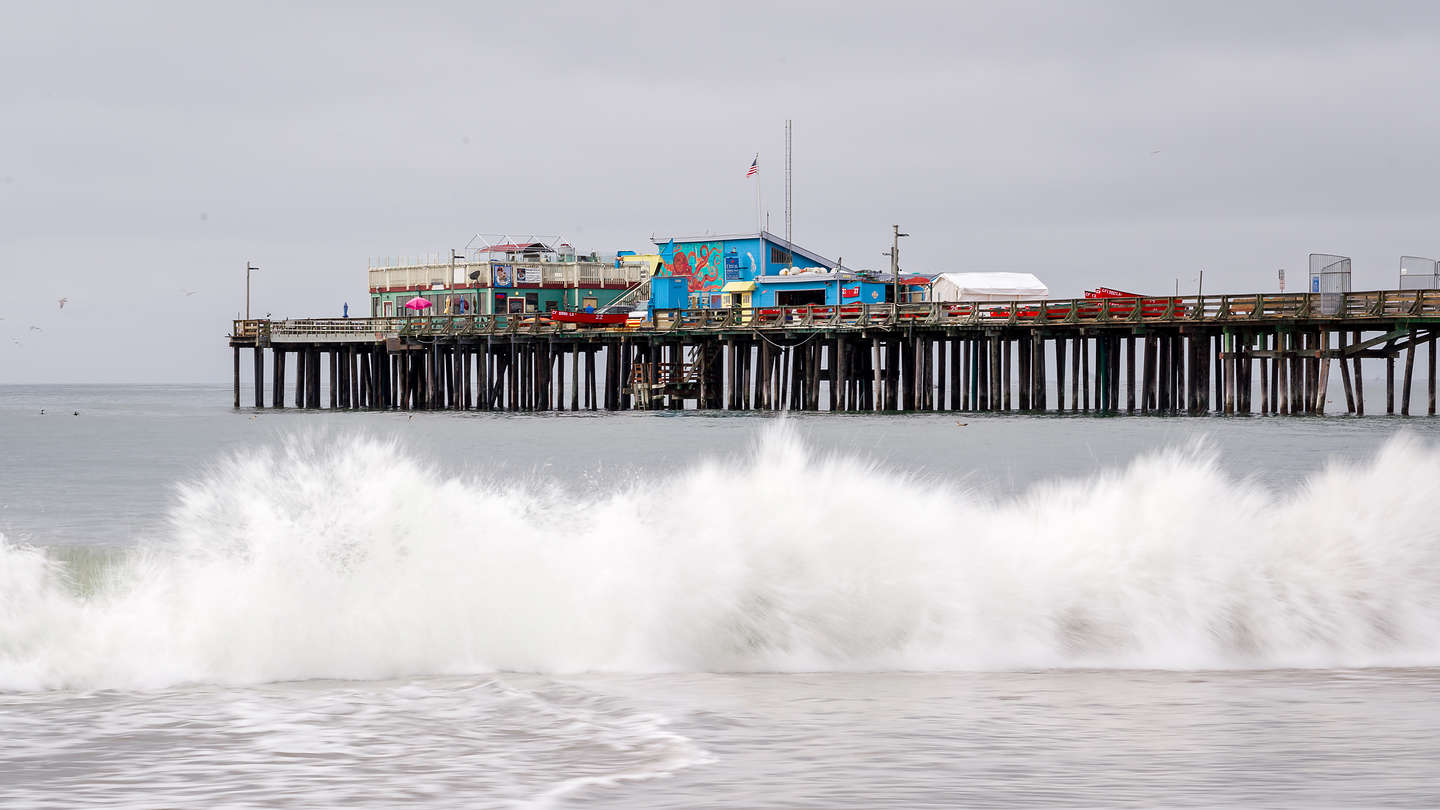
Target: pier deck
{"points": [[1183, 354]]}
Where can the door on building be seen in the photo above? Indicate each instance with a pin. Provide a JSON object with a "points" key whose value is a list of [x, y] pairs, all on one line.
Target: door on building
{"points": [[739, 301], [389, 309]]}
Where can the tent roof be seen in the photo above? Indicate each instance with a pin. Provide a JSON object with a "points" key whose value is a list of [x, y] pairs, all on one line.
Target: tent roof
{"points": [[996, 283], [988, 287], [1001, 281]]}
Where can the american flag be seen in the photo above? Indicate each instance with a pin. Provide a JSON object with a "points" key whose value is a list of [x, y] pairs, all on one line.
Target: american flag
{"points": [[754, 166]]}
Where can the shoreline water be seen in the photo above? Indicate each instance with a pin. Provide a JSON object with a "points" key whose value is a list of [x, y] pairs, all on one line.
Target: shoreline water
{"points": [[224, 557]]}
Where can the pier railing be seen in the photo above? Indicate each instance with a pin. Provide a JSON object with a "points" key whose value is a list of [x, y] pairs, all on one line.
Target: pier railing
{"points": [[1256, 308]]}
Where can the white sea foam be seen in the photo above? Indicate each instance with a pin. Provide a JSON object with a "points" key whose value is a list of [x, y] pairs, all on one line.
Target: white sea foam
{"points": [[352, 559]]}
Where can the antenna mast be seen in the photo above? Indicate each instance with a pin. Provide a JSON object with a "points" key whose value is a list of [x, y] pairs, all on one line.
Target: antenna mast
{"points": [[787, 178]]}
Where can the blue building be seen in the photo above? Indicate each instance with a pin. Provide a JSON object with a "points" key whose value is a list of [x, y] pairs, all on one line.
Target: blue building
{"points": [[824, 288], [709, 263]]}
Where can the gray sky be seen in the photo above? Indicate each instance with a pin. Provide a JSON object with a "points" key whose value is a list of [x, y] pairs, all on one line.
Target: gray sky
{"points": [[150, 148]]}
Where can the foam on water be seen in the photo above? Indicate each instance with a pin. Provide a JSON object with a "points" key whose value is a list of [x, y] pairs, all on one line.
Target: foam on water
{"points": [[352, 559]]}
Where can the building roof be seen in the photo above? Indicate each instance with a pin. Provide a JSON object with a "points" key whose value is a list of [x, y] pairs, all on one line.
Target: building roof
{"points": [[540, 247], [822, 276], [794, 249]]}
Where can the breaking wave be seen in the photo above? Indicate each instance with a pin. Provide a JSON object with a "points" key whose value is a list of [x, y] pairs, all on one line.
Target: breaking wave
{"points": [[354, 559]]}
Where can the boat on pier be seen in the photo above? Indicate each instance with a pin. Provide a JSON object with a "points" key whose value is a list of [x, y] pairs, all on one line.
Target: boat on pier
{"points": [[617, 317]]}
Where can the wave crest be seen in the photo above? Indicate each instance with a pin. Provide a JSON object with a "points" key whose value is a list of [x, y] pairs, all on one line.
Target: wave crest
{"points": [[352, 559]]}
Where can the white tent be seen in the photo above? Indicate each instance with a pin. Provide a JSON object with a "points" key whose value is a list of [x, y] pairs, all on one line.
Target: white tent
{"points": [[987, 287]]}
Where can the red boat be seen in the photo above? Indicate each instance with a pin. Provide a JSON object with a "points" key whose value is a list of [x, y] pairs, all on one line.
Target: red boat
{"points": [[590, 318]]}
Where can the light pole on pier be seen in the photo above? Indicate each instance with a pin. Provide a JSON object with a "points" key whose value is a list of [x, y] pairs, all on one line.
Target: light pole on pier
{"points": [[249, 268], [895, 268]]}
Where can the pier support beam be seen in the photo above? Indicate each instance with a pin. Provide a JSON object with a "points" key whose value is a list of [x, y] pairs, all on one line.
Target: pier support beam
{"points": [[259, 377], [277, 395], [1324, 375], [1409, 373], [1430, 359]]}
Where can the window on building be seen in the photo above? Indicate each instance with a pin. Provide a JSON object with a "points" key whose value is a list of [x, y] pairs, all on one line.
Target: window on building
{"points": [[532, 302], [800, 298], [779, 255]]}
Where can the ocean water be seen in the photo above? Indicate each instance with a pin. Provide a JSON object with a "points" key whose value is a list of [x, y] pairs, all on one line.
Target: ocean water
{"points": [[208, 607]]}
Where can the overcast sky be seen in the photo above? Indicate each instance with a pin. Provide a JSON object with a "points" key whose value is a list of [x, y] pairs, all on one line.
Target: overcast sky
{"points": [[147, 149]]}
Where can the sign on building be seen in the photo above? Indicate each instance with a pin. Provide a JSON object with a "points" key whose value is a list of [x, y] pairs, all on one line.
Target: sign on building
{"points": [[732, 268]]}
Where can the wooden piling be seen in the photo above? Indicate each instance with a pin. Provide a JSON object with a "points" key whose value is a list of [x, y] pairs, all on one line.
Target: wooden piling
{"points": [[333, 356], [1409, 373], [1060, 374], [277, 396], [259, 377], [1389, 380], [1300, 386], [1430, 359], [1130, 374], [1075, 379]]}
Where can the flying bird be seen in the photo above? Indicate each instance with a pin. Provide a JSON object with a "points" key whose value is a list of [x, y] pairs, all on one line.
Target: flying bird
{"points": [[188, 293], [1154, 151], [63, 301], [36, 329]]}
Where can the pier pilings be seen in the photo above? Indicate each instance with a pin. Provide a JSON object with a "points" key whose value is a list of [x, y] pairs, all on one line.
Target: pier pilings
{"points": [[1185, 363]]}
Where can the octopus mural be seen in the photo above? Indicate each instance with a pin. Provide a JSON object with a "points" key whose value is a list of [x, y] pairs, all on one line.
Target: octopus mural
{"points": [[702, 263]]}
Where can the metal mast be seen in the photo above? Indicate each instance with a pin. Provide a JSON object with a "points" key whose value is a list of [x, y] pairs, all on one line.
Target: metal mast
{"points": [[787, 179]]}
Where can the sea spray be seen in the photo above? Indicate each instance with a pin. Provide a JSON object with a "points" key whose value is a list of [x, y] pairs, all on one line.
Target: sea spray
{"points": [[350, 558]]}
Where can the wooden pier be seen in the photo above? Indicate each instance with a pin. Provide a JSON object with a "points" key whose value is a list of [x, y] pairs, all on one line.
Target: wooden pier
{"points": [[1230, 354]]}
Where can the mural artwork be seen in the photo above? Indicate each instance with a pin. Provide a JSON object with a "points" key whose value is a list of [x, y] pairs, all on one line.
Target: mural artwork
{"points": [[700, 262]]}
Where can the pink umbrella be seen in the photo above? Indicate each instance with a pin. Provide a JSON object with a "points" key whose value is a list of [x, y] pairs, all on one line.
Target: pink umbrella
{"points": [[417, 303]]}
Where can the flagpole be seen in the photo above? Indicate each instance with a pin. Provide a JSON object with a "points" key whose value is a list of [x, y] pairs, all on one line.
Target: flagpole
{"points": [[758, 209]]}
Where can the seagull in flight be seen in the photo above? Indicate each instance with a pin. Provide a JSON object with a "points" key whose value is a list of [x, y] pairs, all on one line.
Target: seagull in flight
{"points": [[188, 293], [63, 302], [36, 329]]}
